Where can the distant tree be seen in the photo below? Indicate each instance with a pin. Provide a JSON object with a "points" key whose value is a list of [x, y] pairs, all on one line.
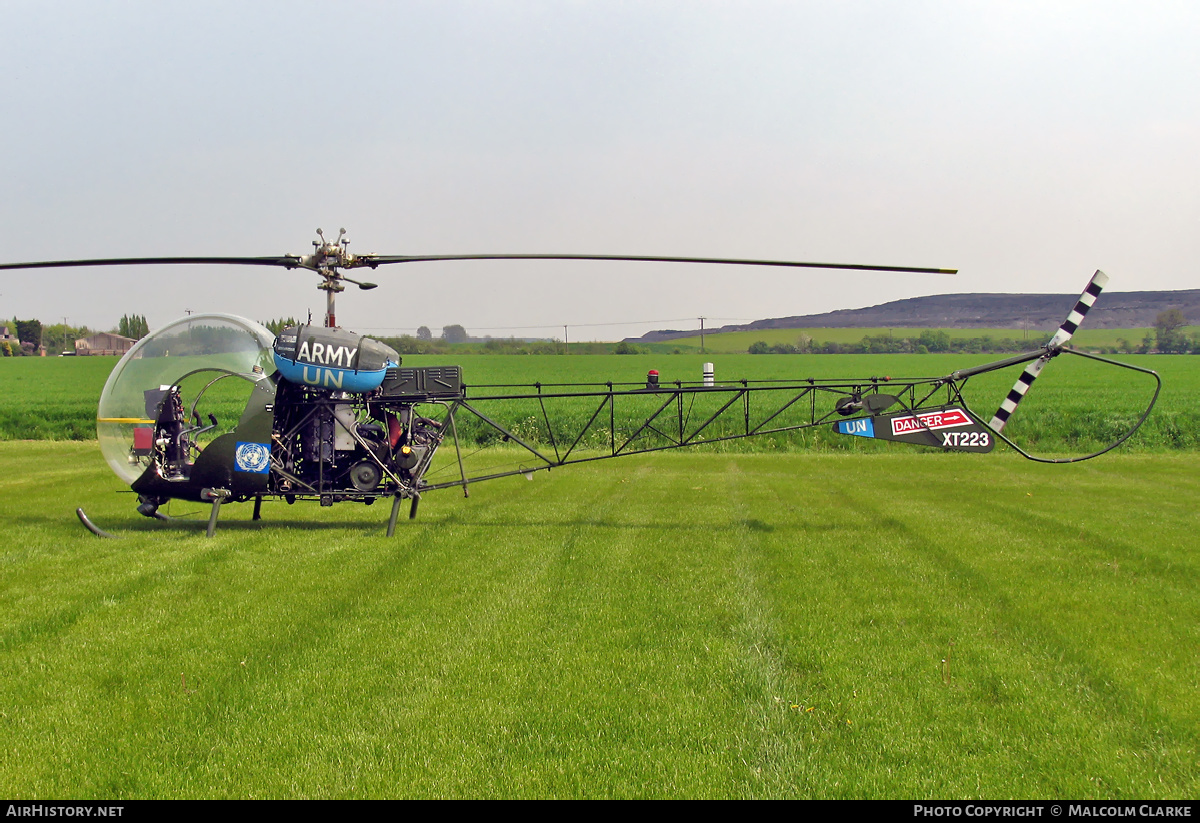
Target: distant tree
{"points": [[133, 326], [423, 333], [936, 341], [760, 347], [29, 331], [455, 334], [279, 324], [625, 348], [57, 334], [1168, 332], [406, 344], [884, 344]]}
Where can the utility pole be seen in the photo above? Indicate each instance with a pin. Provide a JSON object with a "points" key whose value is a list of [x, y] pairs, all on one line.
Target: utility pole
{"points": [[566, 342], [702, 319]]}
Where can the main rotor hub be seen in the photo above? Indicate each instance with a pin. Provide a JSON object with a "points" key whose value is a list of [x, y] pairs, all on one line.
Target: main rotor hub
{"points": [[328, 257], [326, 260]]}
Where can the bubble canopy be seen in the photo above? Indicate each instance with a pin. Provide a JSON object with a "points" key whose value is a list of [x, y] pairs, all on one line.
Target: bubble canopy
{"points": [[209, 344]]}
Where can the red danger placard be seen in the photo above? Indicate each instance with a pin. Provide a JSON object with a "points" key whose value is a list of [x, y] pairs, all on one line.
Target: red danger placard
{"points": [[929, 421]]}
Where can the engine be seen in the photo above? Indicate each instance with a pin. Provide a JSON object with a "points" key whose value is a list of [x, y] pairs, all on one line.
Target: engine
{"points": [[346, 421]]}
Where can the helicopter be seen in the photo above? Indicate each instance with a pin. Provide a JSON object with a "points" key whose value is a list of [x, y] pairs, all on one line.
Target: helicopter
{"points": [[334, 416]]}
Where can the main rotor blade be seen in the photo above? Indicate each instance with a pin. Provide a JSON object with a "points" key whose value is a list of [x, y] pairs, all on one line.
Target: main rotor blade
{"points": [[374, 260], [287, 262]]}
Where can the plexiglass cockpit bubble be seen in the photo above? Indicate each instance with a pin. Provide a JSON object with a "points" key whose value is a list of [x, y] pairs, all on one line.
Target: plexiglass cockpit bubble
{"points": [[200, 347]]}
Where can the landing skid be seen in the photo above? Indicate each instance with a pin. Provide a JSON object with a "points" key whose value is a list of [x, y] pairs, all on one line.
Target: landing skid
{"points": [[214, 513], [99, 532], [412, 511], [90, 526]]}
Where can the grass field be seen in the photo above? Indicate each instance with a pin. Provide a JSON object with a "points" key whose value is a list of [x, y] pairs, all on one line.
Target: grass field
{"points": [[837, 619], [740, 341], [900, 625]]}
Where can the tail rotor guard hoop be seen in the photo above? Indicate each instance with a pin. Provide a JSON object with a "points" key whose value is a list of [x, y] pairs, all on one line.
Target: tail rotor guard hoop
{"points": [[1128, 434]]}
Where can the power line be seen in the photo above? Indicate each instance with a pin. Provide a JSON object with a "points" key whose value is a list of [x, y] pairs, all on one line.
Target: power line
{"points": [[580, 325]]}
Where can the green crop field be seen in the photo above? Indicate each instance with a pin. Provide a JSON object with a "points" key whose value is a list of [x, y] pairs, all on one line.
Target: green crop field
{"points": [[1077, 406], [740, 341], [827, 618]]}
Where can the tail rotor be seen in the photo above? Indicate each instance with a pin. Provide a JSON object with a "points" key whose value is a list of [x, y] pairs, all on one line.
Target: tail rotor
{"points": [[1065, 331]]}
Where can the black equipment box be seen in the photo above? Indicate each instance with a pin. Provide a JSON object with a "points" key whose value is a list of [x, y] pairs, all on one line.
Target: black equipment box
{"points": [[422, 383]]}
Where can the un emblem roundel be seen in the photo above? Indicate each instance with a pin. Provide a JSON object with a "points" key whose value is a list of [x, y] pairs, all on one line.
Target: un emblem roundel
{"points": [[252, 457]]}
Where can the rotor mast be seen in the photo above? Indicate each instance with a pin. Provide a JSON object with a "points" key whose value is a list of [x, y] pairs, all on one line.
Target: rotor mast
{"points": [[326, 260], [327, 257]]}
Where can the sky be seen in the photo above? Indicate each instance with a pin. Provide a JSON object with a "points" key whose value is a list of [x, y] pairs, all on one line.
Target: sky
{"points": [[1026, 144]]}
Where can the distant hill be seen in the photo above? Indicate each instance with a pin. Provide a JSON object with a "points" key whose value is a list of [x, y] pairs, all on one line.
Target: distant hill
{"points": [[1042, 312]]}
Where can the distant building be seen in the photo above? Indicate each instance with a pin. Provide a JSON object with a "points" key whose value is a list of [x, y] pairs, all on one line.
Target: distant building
{"points": [[5, 334], [103, 343]]}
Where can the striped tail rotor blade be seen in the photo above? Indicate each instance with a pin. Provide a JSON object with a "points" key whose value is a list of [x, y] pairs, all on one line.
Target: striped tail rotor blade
{"points": [[1018, 392], [1086, 301]]}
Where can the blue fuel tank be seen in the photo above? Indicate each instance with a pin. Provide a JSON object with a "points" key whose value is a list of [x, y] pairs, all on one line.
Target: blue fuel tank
{"points": [[333, 359]]}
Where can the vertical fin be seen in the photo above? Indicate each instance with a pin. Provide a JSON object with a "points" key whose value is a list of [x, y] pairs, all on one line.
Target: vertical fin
{"points": [[1086, 301]]}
